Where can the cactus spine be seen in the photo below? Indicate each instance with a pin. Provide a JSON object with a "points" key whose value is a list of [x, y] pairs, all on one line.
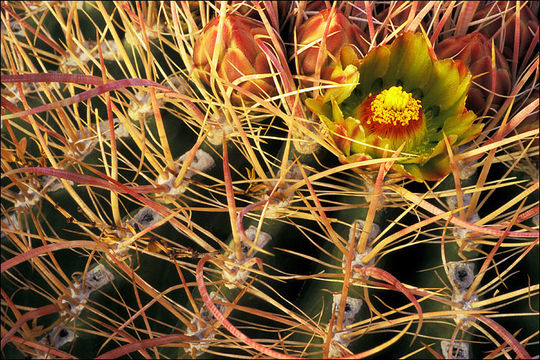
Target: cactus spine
{"points": [[235, 179]]}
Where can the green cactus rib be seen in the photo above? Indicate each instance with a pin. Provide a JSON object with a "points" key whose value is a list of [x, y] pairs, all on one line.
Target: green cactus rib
{"points": [[239, 179], [219, 316]]}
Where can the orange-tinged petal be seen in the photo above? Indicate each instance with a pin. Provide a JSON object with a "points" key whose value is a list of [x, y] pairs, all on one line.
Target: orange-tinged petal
{"points": [[435, 168], [475, 50], [319, 107], [448, 84], [347, 80], [332, 26], [234, 65]]}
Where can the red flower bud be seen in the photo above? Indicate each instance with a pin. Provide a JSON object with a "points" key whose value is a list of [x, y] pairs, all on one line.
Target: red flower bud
{"points": [[238, 57], [340, 32], [474, 50]]}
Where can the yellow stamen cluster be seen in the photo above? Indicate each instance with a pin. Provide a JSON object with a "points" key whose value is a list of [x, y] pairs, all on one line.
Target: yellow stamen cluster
{"points": [[395, 106]]}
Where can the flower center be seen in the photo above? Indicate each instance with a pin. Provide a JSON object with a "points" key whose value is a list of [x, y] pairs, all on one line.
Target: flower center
{"points": [[393, 113], [394, 107]]}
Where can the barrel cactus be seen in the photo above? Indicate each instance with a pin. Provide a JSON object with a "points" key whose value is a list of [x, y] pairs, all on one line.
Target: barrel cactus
{"points": [[249, 179]]}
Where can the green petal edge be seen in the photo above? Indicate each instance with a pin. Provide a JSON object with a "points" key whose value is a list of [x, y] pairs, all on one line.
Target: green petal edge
{"points": [[440, 85]]}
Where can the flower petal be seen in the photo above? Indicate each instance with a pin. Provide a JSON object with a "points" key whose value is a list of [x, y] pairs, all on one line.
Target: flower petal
{"points": [[410, 63], [373, 68], [347, 79], [448, 84], [436, 168], [319, 106]]}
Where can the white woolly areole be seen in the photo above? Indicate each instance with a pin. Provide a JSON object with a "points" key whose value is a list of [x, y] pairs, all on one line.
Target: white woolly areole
{"points": [[293, 173], [202, 323], [358, 226], [30, 199], [51, 183], [458, 297], [352, 307], [82, 147], [218, 128], [88, 138], [304, 143], [141, 108], [202, 161], [8, 223], [119, 129], [460, 233], [95, 278], [460, 350], [179, 84], [144, 218], [109, 51], [98, 277], [56, 338], [466, 168], [275, 209], [234, 274], [11, 92], [461, 273], [168, 180], [452, 203]]}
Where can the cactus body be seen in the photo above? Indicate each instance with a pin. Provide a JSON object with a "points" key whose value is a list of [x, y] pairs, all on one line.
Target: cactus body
{"points": [[269, 180]]}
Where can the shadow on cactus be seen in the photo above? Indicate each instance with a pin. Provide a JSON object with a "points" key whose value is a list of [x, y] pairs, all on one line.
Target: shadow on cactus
{"points": [[268, 179]]}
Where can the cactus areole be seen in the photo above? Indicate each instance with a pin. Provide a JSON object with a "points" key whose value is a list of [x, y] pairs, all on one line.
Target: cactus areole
{"points": [[398, 94]]}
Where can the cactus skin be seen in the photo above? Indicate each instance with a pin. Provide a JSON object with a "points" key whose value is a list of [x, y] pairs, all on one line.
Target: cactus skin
{"points": [[136, 184]]}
